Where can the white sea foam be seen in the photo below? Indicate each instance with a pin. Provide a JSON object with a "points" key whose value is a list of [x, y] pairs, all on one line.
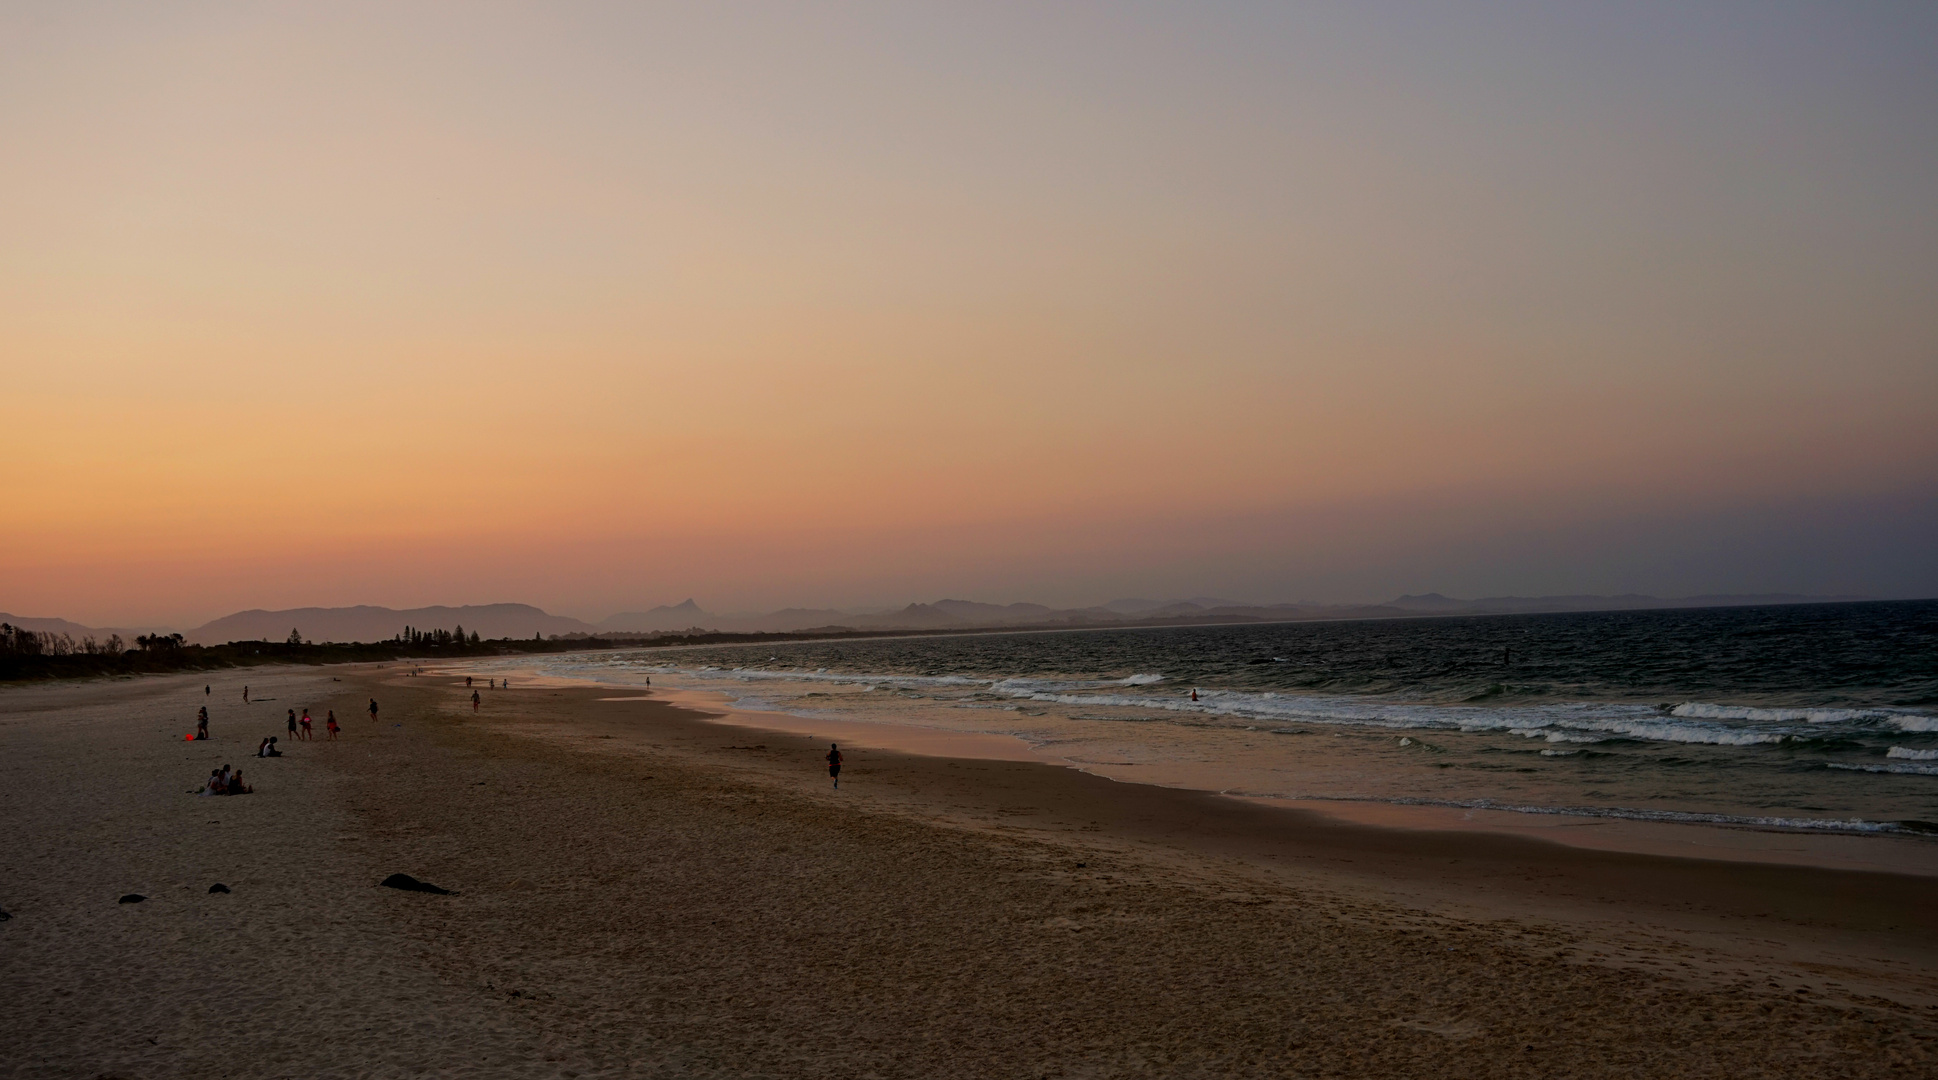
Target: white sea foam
{"points": [[1912, 722], [1556, 735], [1696, 710], [1912, 755], [1688, 817], [1888, 767]]}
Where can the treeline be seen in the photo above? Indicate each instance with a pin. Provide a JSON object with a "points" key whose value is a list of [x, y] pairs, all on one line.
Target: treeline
{"points": [[28, 654]]}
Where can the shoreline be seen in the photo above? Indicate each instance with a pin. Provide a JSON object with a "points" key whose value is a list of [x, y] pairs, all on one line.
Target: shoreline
{"points": [[638, 889], [1824, 849]]}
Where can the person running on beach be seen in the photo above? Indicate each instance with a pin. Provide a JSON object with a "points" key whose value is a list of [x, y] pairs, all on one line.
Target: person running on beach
{"points": [[308, 734], [467, 680], [474, 701], [329, 721], [834, 764], [202, 723], [373, 710]]}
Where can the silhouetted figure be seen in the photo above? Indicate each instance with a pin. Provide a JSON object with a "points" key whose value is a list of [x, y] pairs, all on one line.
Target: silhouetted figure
{"points": [[834, 764], [202, 723], [245, 694], [292, 725], [474, 701], [373, 710]]}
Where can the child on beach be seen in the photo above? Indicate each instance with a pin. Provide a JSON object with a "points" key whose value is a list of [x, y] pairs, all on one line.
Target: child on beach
{"points": [[308, 734], [329, 721], [292, 725], [474, 701], [202, 723], [834, 764]]}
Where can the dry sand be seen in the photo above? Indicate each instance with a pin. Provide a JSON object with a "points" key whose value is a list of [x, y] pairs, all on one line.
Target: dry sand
{"points": [[643, 893]]}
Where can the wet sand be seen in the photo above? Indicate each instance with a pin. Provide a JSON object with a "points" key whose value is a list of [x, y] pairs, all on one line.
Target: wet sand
{"points": [[644, 892]]}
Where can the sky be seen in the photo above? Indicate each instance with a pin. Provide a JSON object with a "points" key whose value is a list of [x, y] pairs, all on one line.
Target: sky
{"points": [[598, 306]]}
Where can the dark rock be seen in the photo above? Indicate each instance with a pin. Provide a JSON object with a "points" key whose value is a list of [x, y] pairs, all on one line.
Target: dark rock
{"points": [[218, 887], [411, 884], [4, 916], [131, 898]]}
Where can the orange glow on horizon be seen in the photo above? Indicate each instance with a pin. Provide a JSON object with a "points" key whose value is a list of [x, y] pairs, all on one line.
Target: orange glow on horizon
{"points": [[598, 308]]}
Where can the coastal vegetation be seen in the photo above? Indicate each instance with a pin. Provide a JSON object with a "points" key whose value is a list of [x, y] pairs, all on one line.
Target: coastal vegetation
{"points": [[30, 654]]}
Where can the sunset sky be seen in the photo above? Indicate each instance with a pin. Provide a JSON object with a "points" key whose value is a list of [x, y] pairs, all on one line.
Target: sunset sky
{"points": [[599, 306]]}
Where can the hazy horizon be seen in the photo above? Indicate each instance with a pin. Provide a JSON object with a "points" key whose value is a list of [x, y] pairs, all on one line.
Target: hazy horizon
{"points": [[601, 308]]}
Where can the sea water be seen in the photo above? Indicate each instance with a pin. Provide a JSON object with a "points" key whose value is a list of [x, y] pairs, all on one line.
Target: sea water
{"points": [[1815, 717]]}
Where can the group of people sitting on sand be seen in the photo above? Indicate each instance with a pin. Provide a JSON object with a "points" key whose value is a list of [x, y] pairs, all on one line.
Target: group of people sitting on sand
{"points": [[267, 748], [225, 781]]}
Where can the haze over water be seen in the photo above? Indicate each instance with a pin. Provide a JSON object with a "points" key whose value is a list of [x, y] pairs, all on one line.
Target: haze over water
{"points": [[1819, 717]]}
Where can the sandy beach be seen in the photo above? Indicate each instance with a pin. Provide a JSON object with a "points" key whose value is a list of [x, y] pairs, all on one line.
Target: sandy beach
{"points": [[641, 890]]}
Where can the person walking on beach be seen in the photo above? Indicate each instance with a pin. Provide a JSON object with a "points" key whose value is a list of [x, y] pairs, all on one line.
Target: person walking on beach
{"points": [[202, 723], [329, 721], [373, 710], [245, 693], [292, 725], [467, 680], [308, 734], [834, 765], [474, 701]]}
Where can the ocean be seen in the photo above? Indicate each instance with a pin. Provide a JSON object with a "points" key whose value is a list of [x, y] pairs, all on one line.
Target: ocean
{"points": [[1816, 717]]}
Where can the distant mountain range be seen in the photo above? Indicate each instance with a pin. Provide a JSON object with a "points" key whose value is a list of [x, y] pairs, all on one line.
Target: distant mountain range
{"points": [[377, 623], [366, 623]]}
